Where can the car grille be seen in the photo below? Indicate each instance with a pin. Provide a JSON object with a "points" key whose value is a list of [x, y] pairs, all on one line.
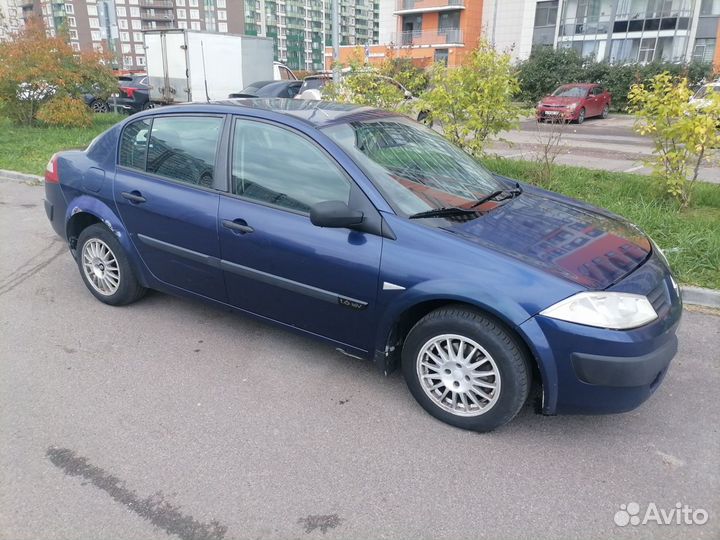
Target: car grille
{"points": [[659, 297]]}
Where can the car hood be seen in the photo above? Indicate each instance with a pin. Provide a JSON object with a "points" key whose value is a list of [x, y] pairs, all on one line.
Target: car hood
{"points": [[552, 100], [567, 238]]}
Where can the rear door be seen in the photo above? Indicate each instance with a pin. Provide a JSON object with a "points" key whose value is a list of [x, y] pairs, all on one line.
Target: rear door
{"points": [[277, 263], [166, 192]]}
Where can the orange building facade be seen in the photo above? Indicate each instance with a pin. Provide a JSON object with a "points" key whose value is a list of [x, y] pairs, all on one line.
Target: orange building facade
{"points": [[427, 31]]}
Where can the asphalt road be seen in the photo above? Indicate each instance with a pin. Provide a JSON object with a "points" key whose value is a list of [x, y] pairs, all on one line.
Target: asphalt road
{"points": [[170, 417], [608, 144]]}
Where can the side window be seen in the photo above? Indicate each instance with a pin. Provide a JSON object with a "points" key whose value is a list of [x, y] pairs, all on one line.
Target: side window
{"points": [[134, 144], [183, 148], [598, 90], [275, 166]]}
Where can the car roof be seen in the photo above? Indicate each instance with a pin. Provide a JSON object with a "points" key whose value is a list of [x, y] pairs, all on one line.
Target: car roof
{"points": [[579, 85], [316, 113]]}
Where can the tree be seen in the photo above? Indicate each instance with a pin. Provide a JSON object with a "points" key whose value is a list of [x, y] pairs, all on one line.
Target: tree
{"points": [[474, 100], [546, 69], [36, 68], [682, 132]]}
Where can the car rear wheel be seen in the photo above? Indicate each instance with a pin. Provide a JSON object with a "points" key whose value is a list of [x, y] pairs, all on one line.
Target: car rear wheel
{"points": [[99, 106], [466, 369], [581, 116], [148, 105], [105, 269], [606, 111]]}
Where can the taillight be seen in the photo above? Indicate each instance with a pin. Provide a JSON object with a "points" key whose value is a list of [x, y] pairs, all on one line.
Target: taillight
{"points": [[51, 171]]}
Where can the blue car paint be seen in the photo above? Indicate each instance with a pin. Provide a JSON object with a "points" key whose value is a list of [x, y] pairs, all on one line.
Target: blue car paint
{"points": [[424, 264]]}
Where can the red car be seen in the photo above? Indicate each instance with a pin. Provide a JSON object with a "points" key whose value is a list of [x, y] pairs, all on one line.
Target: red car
{"points": [[575, 103]]}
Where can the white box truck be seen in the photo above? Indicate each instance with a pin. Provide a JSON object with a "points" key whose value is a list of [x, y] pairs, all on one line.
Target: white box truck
{"points": [[185, 65]]}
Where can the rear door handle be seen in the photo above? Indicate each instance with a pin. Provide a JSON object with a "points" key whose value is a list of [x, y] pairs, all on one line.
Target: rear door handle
{"points": [[133, 196], [238, 225]]}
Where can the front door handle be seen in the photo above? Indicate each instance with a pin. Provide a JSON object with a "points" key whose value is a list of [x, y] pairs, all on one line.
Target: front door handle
{"points": [[133, 196], [238, 225]]}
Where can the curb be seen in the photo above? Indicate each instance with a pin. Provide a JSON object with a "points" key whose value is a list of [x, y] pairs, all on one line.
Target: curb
{"points": [[698, 296], [13, 176]]}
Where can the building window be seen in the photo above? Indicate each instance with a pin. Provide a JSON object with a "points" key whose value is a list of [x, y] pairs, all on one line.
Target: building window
{"points": [[710, 7], [222, 27], [124, 36], [546, 13], [195, 25], [126, 48], [121, 11], [71, 22], [704, 50], [140, 60], [222, 15], [75, 46], [193, 3], [136, 24], [180, 3], [69, 9], [73, 34], [194, 14], [128, 61], [92, 10], [647, 50], [137, 36], [95, 35], [182, 14], [134, 11], [123, 24], [139, 49], [182, 24], [221, 4]]}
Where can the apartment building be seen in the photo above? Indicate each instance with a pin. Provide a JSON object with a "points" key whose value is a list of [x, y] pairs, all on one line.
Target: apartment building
{"points": [[10, 18], [619, 31], [426, 31]]}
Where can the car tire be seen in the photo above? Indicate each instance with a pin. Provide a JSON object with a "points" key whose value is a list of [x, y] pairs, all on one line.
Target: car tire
{"points": [[480, 345], [581, 116], [105, 268], [424, 118], [99, 106], [605, 112], [148, 105]]}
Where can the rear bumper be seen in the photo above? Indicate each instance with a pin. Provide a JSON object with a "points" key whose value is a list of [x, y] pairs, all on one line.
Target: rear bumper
{"points": [[124, 104], [55, 207]]}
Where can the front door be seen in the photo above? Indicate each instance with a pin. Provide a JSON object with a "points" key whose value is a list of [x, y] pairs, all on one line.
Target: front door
{"points": [[164, 191], [277, 263]]}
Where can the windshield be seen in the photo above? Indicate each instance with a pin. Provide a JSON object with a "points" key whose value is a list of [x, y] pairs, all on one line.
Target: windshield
{"points": [[414, 167], [571, 91], [314, 84], [705, 90]]}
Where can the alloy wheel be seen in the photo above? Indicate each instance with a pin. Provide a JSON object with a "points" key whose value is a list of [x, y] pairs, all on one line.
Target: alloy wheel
{"points": [[458, 375], [101, 267]]}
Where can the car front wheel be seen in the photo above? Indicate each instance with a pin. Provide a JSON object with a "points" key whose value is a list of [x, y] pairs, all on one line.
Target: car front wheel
{"points": [[606, 111], [581, 116], [466, 369], [104, 267], [99, 106]]}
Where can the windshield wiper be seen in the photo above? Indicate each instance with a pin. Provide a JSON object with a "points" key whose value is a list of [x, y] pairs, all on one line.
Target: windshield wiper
{"points": [[449, 211], [500, 195]]}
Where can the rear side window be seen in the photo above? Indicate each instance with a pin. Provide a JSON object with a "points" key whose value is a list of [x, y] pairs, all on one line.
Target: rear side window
{"points": [[134, 144], [184, 148], [598, 90]]}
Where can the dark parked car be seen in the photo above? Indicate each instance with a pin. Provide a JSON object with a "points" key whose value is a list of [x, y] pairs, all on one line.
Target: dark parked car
{"points": [[133, 95], [575, 102], [270, 89], [371, 232]]}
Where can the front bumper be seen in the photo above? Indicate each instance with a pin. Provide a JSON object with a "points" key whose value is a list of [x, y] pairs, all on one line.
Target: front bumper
{"points": [[587, 370], [544, 113], [124, 104]]}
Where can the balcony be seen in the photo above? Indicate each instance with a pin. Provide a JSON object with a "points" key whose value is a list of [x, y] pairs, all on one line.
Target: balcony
{"points": [[162, 4], [447, 38], [404, 7]]}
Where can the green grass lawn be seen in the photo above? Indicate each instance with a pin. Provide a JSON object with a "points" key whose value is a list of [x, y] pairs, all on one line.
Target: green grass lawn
{"points": [[28, 150], [691, 238]]}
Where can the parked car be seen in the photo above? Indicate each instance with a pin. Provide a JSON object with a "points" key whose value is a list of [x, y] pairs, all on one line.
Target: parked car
{"points": [[95, 103], [133, 94], [701, 98], [270, 89], [312, 86], [372, 233], [575, 103]]}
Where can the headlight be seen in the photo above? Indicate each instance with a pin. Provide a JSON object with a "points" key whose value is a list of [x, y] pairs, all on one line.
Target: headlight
{"points": [[614, 310], [572, 106]]}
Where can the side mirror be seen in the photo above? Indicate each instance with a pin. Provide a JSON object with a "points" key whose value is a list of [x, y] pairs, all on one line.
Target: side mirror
{"points": [[335, 214]]}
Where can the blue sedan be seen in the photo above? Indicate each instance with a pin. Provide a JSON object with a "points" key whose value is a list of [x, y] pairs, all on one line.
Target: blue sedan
{"points": [[371, 232]]}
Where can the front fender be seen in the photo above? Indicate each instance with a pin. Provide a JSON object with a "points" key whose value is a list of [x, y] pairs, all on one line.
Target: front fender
{"points": [[500, 306]]}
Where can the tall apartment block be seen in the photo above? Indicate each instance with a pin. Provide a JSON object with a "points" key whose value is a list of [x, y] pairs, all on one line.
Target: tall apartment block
{"points": [[619, 31], [425, 31], [301, 28]]}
